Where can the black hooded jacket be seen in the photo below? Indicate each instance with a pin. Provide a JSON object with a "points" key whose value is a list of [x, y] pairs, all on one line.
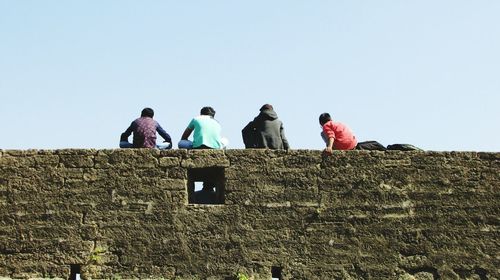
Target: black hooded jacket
{"points": [[265, 131]]}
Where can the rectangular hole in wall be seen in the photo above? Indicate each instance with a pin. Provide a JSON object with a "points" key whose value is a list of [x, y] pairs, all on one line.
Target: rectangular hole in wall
{"points": [[206, 185], [276, 273], [75, 271]]}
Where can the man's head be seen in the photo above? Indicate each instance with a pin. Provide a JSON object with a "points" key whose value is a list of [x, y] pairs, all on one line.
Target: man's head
{"points": [[266, 107], [324, 118], [147, 112], [207, 111]]}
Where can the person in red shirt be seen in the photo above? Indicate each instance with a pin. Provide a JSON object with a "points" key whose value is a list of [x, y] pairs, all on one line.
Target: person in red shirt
{"points": [[337, 136]]}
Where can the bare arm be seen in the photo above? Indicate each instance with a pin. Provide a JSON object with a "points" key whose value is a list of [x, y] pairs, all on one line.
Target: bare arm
{"points": [[329, 147], [186, 133]]}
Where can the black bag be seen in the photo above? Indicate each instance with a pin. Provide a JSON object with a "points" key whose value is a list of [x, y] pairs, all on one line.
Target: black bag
{"points": [[249, 135], [403, 147], [370, 146]]}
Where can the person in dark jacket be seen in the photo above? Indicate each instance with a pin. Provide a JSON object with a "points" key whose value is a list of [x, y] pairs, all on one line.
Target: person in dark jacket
{"points": [[265, 131]]}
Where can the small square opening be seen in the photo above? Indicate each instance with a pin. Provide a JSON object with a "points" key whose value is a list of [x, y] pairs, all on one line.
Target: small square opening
{"points": [[276, 273], [206, 185], [75, 270]]}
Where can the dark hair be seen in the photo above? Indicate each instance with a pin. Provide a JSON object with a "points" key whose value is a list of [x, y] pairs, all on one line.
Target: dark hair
{"points": [[147, 112], [207, 111], [266, 107], [324, 118]]}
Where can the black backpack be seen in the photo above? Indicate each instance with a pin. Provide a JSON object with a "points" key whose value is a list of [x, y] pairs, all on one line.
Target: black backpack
{"points": [[370, 146], [403, 147]]}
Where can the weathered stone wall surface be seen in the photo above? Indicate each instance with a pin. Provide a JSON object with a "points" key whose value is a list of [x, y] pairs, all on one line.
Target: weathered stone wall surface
{"points": [[354, 215]]}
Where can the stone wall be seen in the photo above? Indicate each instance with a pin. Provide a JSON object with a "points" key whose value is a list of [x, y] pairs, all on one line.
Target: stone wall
{"points": [[291, 215]]}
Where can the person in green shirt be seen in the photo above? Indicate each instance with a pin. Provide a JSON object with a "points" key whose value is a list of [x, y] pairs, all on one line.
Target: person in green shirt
{"points": [[207, 132]]}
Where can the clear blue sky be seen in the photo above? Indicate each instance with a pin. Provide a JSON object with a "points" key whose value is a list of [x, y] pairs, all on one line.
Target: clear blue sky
{"points": [[74, 74]]}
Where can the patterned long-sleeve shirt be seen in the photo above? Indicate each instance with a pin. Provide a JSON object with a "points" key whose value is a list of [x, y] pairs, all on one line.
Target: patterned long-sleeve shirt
{"points": [[144, 129]]}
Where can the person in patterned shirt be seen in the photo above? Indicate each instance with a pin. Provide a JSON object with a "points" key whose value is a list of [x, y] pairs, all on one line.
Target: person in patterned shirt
{"points": [[144, 130]]}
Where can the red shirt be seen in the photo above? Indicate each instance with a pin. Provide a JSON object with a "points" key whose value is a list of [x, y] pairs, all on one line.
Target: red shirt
{"points": [[343, 137]]}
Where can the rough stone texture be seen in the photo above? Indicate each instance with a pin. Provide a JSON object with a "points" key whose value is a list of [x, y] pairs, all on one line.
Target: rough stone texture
{"points": [[354, 215]]}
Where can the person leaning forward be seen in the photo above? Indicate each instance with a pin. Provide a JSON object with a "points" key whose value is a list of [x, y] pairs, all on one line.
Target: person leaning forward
{"points": [[337, 136]]}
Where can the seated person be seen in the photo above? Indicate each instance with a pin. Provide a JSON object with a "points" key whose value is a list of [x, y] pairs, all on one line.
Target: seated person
{"points": [[144, 130], [206, 132], [337, 136], [265, 131], [206, 195]]}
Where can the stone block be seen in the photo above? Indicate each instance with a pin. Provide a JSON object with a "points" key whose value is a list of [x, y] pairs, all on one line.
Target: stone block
{"points": [[49, 160], [170, 161], [205, 158], [131, 158], [70, 161]]}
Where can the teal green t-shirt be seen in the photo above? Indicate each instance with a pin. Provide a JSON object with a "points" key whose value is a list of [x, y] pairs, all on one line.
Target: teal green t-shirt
{"points": [[206, 132]]}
